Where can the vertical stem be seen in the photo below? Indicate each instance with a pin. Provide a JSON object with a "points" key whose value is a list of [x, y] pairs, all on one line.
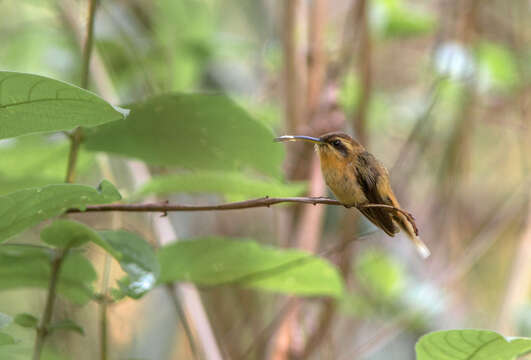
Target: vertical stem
{"points": [[308, 227], [365, 71], [292, 64], [76, 138], [103, 308], [42, 330], [87, 48], [172, 292], [293, 117], [325, 319], [75, 142], [316, 55]]}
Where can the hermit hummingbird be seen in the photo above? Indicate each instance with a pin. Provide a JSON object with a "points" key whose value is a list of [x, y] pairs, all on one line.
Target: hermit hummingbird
{"points": [[357, 178]]}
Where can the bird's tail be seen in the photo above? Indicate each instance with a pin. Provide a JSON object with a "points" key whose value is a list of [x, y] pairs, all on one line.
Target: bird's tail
{"points": [[411, 232]]}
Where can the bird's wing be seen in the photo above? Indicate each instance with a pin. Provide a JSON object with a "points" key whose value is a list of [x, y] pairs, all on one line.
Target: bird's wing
{"points": [[374, 182]]}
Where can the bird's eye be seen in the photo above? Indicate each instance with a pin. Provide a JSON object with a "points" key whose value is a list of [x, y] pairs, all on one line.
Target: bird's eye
{"points": [[336, 143]]}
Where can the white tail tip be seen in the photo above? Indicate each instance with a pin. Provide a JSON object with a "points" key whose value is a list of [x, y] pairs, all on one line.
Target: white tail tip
{"points": [[421, 248]]}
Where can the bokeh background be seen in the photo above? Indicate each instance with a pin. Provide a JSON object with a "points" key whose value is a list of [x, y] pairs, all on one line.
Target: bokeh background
{"points": [[438, 90]]}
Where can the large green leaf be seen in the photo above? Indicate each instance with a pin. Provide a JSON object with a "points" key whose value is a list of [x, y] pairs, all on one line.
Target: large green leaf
{"points": [[194, 131], [233, 184], [28, 266], [32, 103], [25, 208], [68, 233], [188, 54], [37, 160], [220, 261], [470, 345], [137, 259]]}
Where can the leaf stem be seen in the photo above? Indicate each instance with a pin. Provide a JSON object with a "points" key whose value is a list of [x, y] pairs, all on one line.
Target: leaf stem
{"points": [[77, 135], [42, 330], [75, 142]]}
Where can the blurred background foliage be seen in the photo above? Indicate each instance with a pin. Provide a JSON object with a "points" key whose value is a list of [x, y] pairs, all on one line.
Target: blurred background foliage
{"points": [[438, 90]]}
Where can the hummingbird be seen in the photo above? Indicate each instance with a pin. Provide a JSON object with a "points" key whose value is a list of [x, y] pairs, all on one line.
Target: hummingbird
{"points": [[357, 178]]}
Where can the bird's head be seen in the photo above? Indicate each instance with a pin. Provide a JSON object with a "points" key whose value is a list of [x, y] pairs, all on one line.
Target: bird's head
{"points": [[333, 147]]}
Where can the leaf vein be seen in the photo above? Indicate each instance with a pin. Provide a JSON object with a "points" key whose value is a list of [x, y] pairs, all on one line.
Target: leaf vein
{"points": [[43, 100], [471, 356], [37, 83]]}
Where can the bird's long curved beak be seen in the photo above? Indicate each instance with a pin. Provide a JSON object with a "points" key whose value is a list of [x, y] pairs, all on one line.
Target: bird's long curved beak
{"points": [[286, 138]]}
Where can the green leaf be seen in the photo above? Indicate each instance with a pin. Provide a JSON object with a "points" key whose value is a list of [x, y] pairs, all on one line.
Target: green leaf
{"points": [[190, 52], [221, 261], [470, 344], [497, 67], [233, 184], [32, 103], [213, 132], [25, 208], [380, 274], [68, 325], [26, 320], [37, 160], [137, 259], [393, 18], [6, 339], [4, 320], [28, 266], [67, 234]]}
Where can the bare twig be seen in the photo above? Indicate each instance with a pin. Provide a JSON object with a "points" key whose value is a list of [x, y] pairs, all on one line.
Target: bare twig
{"points": [[42, 329], [76, 137], [266, 201]]}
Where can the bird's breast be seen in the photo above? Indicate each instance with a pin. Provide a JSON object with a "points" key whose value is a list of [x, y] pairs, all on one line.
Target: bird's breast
{"points": [[342, 181]]}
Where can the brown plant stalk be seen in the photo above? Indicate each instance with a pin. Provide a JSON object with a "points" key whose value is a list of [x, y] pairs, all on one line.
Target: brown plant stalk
{"points": [[266, 201]]}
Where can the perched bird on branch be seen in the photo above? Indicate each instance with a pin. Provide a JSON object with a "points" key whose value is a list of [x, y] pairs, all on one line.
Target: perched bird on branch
{"points": [[359, 180]]}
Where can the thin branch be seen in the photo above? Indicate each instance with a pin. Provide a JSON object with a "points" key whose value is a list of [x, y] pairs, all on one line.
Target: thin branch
{"points": [[77, 135], [246, 204], [42, 330]]}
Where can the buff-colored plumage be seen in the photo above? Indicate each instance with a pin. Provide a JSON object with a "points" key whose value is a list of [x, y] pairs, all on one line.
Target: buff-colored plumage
{"points": [[357, 178]]}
